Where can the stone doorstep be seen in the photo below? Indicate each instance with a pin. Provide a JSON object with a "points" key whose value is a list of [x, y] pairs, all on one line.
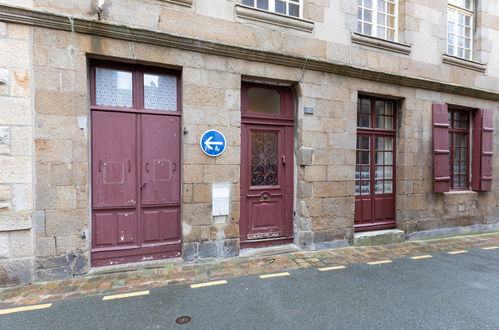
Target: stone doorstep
{"points": [[269, 251], [379, 237], [132, 267]]}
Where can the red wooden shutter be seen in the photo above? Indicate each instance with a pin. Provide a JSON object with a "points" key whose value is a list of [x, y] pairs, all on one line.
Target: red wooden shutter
{"points": [[483, 131], [441, 174]]}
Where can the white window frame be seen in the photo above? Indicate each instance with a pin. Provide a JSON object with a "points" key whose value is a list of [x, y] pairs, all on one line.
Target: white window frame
{"points": [[466, 12], [374, 22], [272, 7]]}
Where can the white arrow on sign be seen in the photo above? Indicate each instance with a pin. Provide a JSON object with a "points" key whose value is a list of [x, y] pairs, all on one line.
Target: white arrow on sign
{"points": [[208, 143]]}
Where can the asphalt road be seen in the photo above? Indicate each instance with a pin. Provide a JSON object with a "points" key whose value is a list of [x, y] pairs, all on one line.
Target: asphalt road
{"points": [[444, 292]]}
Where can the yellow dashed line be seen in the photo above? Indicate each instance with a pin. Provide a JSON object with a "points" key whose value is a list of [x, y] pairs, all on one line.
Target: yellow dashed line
{"points": [[24, 309], [274, 275], [331, 268], [422, 257], [126, 295], [200, 285], [457, 252], [490, 248], [379, 262]]}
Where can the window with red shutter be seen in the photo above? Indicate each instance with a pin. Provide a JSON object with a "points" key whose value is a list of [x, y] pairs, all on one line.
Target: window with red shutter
{"points": [[441, 150], [483, 130]]}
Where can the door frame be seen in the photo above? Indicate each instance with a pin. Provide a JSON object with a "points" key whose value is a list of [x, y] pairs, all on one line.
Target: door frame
{"points": [[128, 255], [286, 121], [373, 132]]}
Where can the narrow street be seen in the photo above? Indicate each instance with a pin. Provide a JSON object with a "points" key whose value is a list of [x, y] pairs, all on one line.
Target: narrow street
{"points": [[444, 290]]}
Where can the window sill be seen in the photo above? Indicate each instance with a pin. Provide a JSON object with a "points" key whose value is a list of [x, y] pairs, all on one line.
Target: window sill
{"points": [[260, 15], [459, 192], [187, 3], [462, 63], [392, 46]]}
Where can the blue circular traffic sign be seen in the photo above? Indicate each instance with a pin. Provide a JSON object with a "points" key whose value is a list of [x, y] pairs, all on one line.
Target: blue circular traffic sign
{"points": [[213, 143]]}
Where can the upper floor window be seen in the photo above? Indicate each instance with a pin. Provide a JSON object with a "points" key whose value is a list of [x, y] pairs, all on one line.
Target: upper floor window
{"points": [[459, 28], [285, 7], [377, 18]]}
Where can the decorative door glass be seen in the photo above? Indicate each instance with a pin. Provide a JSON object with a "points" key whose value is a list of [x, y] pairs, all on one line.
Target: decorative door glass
{"points": [[384, 165], [363, 167], [160, 92], [264, 158], [113, 88]]}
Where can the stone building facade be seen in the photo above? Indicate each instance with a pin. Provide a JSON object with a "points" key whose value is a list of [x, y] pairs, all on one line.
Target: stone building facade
{"points": [[324, 64]]}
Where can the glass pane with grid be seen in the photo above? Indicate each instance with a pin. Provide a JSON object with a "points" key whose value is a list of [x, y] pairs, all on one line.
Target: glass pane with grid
{"points": [[459, 33], [377, 18], [160, 92], [363, 168], [459, 148], [285, 7]]}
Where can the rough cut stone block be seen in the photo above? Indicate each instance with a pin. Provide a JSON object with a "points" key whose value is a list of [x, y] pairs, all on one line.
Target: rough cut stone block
{"points": [[21, 244], [304, 156], [16, 272], [190, 251], [231, 248], [208, 249], [17, 220], [4, 245], [45, 246], [5, 193]]}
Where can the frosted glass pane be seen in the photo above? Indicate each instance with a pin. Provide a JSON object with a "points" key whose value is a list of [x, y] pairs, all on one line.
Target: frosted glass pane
{"points": [[113, 88], [264, 100], [160, 92]]}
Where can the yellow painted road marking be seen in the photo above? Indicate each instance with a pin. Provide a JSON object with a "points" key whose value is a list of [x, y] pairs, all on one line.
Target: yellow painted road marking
{"points": [[24, 309], [458, 252], [331, 268], [126, 295], [490, 248], [379, 262], [200, 285], [422, 257], [274, 275]]}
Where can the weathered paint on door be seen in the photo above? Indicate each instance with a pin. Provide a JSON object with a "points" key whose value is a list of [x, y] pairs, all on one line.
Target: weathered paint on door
{"points": [[267, 168], [135, 175]]}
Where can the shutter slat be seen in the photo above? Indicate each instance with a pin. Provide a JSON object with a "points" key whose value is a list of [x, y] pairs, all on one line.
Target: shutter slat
{"points": [[483, 133], [441, 178]]}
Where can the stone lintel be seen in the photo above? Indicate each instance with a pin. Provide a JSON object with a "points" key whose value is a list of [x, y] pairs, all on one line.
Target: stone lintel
{"points": [[463, 63], [122, 32], [266, 16]]}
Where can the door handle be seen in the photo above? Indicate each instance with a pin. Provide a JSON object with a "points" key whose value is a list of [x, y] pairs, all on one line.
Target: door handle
{"points": [[283, 159], [143, 185], [147, 167], [100, 166], [174, 166], [129, 165]]}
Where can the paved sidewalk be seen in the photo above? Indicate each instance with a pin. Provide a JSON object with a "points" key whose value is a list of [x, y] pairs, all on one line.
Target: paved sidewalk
{"points": [[186, 273]]}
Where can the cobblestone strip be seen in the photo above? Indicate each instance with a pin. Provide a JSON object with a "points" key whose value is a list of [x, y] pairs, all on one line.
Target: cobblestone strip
{"points": [[175, 274]]}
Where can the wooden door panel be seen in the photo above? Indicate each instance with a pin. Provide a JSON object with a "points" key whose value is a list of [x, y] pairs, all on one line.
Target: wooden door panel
{"points": [[160, 160], [161, 225], [114, 228], [113, 159]]}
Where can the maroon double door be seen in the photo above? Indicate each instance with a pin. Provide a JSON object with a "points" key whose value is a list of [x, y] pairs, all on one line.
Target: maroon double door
{"points": [[135, 183], [266, 165]]}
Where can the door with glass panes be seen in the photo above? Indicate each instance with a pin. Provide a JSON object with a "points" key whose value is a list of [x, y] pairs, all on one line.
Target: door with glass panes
{"points": [[375, 164]]}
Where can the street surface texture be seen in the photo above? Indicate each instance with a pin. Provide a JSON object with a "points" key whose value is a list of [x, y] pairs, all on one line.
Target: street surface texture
{"points": [[432, 291]]}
